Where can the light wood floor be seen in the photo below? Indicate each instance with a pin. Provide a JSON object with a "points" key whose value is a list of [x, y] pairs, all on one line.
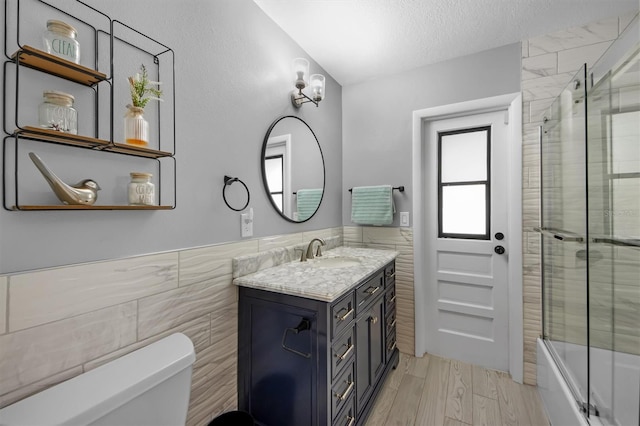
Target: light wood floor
{"points": [[433, 391]]}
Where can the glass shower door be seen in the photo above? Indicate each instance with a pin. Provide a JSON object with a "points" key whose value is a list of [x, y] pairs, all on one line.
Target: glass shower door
{"points": [[564, 235], [613, 165]]}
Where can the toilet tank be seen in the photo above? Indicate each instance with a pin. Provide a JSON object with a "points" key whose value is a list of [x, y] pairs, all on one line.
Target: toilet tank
{"points": [[147, 387]]}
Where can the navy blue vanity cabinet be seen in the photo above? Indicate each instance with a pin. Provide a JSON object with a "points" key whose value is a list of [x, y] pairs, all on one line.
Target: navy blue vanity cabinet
{"points": [[308, 362]]}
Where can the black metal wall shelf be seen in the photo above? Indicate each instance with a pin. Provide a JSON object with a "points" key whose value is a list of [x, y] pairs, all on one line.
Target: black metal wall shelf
{"points": [[100, 29]]}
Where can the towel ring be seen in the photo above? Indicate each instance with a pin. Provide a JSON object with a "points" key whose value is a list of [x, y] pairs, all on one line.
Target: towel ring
{"points": [[228, 180]]}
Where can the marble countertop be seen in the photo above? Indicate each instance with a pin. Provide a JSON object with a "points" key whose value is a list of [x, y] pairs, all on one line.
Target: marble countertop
{"points": [[326, 283]]}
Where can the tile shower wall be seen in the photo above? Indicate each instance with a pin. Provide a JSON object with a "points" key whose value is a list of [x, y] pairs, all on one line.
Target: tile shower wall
{"points": [[548, 64], [58, 323]]}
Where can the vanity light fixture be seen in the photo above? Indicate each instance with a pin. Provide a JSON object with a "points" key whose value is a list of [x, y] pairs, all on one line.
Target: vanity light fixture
{"points": [[301, 79]]}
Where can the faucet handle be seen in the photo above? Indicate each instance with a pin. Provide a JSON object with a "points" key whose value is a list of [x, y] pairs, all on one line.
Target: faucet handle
{"points": [[303, 255]]}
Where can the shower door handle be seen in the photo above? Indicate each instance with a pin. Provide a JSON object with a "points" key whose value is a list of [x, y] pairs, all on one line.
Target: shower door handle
{"points": [[499, 249]]}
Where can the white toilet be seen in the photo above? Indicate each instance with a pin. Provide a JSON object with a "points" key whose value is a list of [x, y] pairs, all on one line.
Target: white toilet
{"points": [[147, 387]]}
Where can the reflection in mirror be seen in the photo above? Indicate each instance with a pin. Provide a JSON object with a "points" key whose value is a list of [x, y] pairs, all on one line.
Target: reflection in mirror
{"points": [[293, 168]]}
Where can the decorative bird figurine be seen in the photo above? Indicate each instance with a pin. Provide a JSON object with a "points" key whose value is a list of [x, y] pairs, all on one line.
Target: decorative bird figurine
{"points": [[84, 192]]}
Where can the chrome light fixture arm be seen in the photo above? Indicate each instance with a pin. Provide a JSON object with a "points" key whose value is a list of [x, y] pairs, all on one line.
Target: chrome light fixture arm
{"points": [[298, 98]]}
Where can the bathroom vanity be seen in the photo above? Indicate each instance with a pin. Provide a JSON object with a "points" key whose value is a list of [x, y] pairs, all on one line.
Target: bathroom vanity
{"points": [[317, 338]]}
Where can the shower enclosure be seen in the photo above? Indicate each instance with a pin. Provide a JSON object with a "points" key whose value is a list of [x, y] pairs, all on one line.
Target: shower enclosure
{"points": [[590, 226]]}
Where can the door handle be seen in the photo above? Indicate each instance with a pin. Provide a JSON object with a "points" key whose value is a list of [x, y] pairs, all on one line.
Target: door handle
{"points": [[499, 249]]}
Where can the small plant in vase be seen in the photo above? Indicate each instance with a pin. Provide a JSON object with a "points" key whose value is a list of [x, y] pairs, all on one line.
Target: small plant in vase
{"points": [[143, 90]]}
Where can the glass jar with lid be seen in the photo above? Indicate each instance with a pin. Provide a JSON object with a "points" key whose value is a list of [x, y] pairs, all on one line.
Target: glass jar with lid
{"points": [[142, 192], [56, 112], [60, 40]]}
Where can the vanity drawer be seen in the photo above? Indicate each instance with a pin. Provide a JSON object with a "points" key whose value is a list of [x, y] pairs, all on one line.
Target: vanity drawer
{"points": [[342, 351], [390, 299], [347, 416], [391, 343], [390, 274], [390, 322], [342, 313], [369, 291], [342, 392]]}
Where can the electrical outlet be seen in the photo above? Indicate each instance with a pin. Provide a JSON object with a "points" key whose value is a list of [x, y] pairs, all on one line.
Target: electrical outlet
{"points": [[246, 224], [404, 218]]}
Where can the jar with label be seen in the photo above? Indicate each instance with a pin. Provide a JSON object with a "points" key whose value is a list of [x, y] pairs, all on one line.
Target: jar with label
{"points": [[57, 112], [141, 191], [60, 40]]}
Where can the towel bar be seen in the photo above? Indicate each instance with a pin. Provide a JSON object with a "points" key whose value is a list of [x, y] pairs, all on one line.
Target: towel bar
{"points": [[398, 188]]}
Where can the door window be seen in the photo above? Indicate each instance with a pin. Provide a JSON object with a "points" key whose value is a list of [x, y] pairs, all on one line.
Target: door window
{"points": [[463, 183]]}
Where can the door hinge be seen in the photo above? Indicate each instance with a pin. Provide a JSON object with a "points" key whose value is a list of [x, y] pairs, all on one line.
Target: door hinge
{"points": [[591, 409], [506, 117]]}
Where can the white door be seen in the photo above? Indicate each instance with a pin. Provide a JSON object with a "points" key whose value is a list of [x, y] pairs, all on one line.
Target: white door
{"points": [[466, 224]]}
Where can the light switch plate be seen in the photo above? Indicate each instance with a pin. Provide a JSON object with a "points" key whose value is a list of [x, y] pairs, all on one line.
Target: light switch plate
{"points": [[404, 218]]}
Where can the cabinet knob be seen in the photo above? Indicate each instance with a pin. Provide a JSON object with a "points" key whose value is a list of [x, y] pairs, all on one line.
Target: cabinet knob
{"points": [[374, 320]]}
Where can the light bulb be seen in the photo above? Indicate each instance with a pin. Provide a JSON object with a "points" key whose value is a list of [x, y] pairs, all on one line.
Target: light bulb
{"points": [[317, 85]]}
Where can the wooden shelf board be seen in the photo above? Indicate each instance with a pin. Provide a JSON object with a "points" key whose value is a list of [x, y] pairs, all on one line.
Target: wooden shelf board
{"points": [[138, 150], [37, 59], [61, 137], [88, 142], [83, 207]]}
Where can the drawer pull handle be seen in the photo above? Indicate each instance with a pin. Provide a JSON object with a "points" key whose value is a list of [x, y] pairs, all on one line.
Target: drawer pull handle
{"points": [[391, 347], [391, 275], [345, 316], [346, 392], [372, 290], [393, 299], [346, 353], [351, 420], [374, 320], [393, 324]]}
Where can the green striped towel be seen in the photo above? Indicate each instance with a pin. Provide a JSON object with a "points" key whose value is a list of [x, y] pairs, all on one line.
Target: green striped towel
{"points": [[308, 201], [372, 205]]}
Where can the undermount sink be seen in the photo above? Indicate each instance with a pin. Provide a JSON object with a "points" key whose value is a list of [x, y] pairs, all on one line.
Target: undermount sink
{"points": [[334, 262]]}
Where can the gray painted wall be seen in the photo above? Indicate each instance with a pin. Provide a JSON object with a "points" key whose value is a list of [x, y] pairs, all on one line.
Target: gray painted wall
{"points": [[232, 81], [377, 116]]}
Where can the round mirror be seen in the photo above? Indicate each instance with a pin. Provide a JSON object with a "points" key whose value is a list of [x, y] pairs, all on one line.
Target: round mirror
{"points": [[293, 168]]}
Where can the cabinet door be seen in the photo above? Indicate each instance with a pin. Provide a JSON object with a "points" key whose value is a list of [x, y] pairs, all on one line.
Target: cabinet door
{"points": [[363, 379], [283, 384], [370, 351], [377, 329]]}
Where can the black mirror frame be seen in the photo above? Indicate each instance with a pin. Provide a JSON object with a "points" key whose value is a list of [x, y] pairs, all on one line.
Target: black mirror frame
{"points": [[264, 172]]}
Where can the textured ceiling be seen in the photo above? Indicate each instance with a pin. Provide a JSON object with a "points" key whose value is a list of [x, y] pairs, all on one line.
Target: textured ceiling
{"points": [[356, 40]]}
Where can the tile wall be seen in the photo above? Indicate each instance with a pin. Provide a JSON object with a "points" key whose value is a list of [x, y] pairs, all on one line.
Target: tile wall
{"points": [[60, 322], [549, 63]]}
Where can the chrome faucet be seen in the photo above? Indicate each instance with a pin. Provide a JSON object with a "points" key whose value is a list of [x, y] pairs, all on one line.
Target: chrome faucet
{"points": [[309, 254]]}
